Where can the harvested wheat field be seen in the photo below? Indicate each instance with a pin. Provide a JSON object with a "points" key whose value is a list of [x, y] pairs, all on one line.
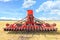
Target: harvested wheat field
{"points": [[6, 35]]}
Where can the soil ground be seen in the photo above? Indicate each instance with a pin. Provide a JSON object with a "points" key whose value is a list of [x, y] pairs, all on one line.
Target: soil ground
{"points": [[17, 35]]}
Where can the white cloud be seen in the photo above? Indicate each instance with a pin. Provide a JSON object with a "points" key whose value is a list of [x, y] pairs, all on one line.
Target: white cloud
{"points": [[53, 0], [52, 7], [43, 18], [7, 18], [49, 18], [56, 0], [55, 12], [45, 6], [28, 3], [5, 0], [10, 18]]}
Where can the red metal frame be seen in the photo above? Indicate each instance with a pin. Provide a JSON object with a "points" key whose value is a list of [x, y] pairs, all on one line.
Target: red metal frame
{"points": [[31, 25]]}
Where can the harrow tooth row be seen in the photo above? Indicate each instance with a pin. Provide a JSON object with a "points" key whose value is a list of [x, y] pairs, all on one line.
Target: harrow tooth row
{"points": [[29, 30]]}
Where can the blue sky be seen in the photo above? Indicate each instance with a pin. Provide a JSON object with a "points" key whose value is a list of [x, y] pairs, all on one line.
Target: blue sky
{"points": [[43, 9]]}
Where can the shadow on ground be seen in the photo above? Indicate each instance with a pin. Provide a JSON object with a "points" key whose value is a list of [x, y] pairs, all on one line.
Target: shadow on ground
{"points": [[34, 32]]}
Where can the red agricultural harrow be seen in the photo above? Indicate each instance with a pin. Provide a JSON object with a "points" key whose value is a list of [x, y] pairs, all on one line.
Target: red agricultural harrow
{"points": [[30, 23]]}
